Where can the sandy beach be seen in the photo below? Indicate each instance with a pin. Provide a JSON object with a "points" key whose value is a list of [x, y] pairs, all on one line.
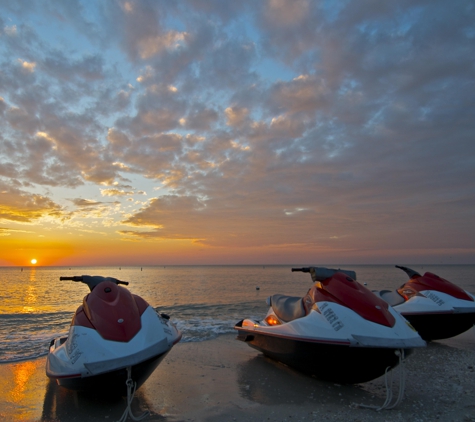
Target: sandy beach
{"points": [[225, 380]]}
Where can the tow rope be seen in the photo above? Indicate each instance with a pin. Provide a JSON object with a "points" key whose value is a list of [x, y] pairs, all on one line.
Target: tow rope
{"points": [[389, 393], [131, 387]]}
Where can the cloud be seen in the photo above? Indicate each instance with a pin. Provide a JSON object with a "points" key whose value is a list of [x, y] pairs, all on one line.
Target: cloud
{"points": [[116, 192], [342, 125], [85, 203], [86, 68], [283, 13], [200, 118], [306, 94], [20, 206], [27, 66], [151, 46], [236, 116], [5, 231], [10, 30]]}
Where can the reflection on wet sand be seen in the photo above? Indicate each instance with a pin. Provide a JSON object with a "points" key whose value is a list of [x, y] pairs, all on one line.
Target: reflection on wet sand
{"points": [[18, 384], [265, 381], [29, 395], [67, 405], [22, 373]]}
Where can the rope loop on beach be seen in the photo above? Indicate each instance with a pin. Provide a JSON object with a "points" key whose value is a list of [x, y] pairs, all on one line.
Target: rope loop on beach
{"points": [[389, 383], [131, 387]]}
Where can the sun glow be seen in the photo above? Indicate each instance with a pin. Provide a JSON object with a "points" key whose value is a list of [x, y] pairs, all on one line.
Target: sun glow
{"points": [[33, 261]]}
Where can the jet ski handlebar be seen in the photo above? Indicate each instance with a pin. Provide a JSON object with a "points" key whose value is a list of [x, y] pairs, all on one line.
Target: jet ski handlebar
{"points": [[75, 278], [322, 273], [93, 281]]}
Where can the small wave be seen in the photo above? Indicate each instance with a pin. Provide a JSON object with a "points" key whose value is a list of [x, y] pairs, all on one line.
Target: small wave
{"points": [[201, 329], [198, 329], [204, 321], [22, 357], [27, 336], [24, 346]]}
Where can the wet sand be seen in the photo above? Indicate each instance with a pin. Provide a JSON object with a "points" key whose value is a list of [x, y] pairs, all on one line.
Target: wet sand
{"points": [[226, 380]]}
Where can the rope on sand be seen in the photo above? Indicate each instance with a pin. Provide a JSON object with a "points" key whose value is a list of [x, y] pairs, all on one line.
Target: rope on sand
{"points": [[389, 393], [131, 387]]}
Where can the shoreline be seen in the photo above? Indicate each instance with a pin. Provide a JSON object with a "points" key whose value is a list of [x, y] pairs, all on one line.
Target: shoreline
{"points": [[225, 380]]}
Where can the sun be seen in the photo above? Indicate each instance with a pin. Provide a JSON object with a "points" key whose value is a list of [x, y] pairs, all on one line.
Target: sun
{"points": [[33, 261]]}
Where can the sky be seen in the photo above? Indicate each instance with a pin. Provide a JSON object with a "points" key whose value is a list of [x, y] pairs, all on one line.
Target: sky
{"points": [[237, 132]]}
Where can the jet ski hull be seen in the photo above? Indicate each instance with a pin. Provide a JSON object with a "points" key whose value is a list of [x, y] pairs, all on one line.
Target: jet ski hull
{"points": [[112, 382], [432, 326], [333, 362]]}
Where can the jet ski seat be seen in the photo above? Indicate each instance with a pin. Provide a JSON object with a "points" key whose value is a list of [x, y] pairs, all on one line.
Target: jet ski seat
{"points": [[287, 308], [392, 297]]}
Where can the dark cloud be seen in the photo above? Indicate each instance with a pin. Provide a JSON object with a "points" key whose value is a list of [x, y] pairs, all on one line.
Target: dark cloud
{"points": [[200, 118], [3, 105], [86, 69]]}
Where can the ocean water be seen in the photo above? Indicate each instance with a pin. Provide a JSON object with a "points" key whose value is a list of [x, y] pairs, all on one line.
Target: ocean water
{"points": [[203, 301]]}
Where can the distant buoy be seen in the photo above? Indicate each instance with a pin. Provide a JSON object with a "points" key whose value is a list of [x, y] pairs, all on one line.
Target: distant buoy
{"points": [[258, 288]]}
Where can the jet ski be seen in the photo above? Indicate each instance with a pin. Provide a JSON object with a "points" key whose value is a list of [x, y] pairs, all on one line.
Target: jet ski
{"points": [[339, 331], [435, 307], [116, 339]]}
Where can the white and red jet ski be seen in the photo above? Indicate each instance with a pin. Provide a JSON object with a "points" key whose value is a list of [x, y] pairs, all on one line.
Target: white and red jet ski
{"points": [[339, 331], [435, 307], [115, 338]]}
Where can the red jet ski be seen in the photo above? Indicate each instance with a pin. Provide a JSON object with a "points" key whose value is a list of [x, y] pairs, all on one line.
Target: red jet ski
{"points": [[115, 339], [339, 331], [435, 307]]}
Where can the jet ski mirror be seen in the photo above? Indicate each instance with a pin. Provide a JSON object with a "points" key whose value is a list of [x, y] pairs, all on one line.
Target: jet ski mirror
{"points": [[321, 273], [93, 281]]}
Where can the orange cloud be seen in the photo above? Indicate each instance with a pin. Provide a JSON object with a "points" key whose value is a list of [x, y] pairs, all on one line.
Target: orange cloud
{"points": [[19, 206]]}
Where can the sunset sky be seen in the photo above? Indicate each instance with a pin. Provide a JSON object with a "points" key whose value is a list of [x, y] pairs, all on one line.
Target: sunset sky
{"points": [[237, 132]]}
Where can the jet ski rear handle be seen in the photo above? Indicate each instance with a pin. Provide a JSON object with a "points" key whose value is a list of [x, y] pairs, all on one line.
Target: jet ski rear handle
{"points": [[79, 278]]}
